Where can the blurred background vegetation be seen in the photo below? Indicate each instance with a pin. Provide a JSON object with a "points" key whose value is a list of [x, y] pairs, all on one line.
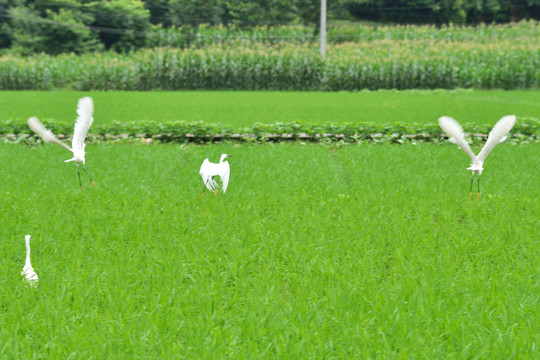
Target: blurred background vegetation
{"points": [[80, 26]]}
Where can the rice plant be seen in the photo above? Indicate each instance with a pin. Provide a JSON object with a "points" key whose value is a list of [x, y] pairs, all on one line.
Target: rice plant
{"points": [[315, 251]]}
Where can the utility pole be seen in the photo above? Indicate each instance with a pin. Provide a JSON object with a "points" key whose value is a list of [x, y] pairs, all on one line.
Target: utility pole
{"points": [[323, 28]]}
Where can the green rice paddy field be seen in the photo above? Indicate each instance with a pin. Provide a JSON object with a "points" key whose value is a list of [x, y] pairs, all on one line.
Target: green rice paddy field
{"points": [[315, 251], [245, 108]]}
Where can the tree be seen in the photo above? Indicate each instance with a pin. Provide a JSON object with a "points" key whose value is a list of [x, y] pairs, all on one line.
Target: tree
{"points": [[25, 34], [195, 12], [123, 23], [309, 11], [67, 31], [52, 27], [5, 6], [450, 11], [259, 12], [444, 11], [159, 12]]}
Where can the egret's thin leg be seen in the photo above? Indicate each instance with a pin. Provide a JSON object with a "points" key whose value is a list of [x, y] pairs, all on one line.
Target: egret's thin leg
{"points": [[79, 175], [203, 190], [93, 183], [478, 194], [470, 190], [204, 187]]}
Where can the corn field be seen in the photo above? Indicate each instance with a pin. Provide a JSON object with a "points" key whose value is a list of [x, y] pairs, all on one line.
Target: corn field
{"points": [[338, 32], [391, 62]]}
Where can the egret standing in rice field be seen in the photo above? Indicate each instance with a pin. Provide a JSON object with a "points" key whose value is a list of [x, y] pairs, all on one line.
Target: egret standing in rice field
{"points": [[85, 110], [28, 271], [210, 170], [497, 135]]}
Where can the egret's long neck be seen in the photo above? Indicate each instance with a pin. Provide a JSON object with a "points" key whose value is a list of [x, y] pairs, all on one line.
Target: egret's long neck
{"points": [[27, 263]]}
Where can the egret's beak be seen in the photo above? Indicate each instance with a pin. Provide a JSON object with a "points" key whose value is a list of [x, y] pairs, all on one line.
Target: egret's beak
{"points": [[228, 156]]}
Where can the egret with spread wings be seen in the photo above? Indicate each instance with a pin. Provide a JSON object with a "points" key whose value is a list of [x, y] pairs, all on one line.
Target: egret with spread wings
{"points": [[497, 135], [210, 170], [85, 110]]}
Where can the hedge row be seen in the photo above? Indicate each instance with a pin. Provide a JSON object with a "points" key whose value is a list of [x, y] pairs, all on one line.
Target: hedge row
{"points": [[525, 130]]}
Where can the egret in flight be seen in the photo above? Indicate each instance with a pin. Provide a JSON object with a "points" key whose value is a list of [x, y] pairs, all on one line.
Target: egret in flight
{"points": [[210, 170], [85, 109], [497, 135], [28, 271]]}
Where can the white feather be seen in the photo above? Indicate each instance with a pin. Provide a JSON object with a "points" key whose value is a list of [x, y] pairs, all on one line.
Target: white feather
{"points": [[205, 174], [456, 134], [225, 172], [46, 134], [209, 170], [28, 271], [497, 135], [85, 110]]}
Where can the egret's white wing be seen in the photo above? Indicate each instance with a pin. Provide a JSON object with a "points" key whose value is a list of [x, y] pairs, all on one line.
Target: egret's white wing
{"points": [[46, 134], [497, 135], [225, 170], [30, 275], [85, 110], [452, 128], [207, 171]]}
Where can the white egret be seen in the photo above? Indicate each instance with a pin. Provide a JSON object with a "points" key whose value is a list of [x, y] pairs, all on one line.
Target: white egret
{"points": [[210, 170], [85, 110], [28, 271], [497, 135]]}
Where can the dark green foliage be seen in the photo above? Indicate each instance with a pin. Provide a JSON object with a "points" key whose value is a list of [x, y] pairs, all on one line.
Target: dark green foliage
{"points": [[443, 11], [79, 26], [525, 130], [76, 37], [259, 12], [50, 27], [159, 12], [25, 36], [124, 23], [192, 13]]}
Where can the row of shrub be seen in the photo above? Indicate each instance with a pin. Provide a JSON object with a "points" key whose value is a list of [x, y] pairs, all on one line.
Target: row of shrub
{"points": [[526, 129], [378, 64]]}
